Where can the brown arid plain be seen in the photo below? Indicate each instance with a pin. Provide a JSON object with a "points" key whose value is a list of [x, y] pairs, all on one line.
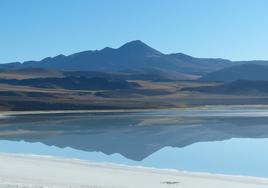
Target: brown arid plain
{"points": [[151, 94]]}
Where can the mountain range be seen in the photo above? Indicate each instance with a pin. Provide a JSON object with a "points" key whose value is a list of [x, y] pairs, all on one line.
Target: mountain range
{"points": [[132, 56]]}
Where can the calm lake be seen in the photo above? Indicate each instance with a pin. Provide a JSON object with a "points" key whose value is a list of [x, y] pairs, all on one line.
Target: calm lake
{"points": [[226, 140]]}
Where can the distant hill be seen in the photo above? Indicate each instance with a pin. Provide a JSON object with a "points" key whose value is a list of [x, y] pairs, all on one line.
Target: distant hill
{"points": [[239, 87], [134, 55], [240, 72], [74, 83]]}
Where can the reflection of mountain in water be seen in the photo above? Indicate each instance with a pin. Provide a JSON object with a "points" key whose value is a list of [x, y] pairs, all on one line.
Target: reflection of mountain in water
{"points": [[134, 135]]}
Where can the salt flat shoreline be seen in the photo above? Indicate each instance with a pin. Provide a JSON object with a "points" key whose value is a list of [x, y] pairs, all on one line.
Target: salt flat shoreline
{"points": [[6, 113], [29, 171]]}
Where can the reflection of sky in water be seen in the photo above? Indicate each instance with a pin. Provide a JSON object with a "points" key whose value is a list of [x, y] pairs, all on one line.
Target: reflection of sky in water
{"points": [[228, 140], [234, 156]]}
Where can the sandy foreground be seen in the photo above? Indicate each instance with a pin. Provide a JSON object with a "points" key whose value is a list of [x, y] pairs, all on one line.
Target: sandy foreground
{"points": [[18, 171]]}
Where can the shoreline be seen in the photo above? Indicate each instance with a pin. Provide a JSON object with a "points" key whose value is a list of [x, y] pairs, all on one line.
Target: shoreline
{"points": [[32, 112], [47, 171]]}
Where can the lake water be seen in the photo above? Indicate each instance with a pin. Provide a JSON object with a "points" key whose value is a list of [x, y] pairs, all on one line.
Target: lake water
{"points": [[226, 140]]}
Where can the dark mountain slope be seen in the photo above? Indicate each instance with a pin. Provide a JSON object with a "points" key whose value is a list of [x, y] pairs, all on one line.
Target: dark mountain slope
{"points": [[200, 65]]}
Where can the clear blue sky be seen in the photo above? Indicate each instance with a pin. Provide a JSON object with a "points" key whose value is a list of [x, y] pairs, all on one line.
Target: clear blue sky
{"points": [[34, 29]]}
